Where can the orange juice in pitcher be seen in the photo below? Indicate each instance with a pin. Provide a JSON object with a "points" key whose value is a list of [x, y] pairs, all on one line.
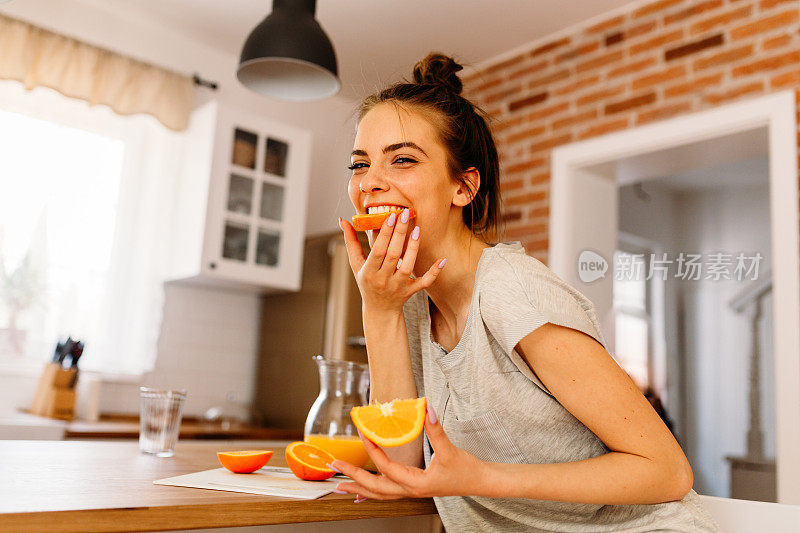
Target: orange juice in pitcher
{"points": [[342, 386], [345, 448]]}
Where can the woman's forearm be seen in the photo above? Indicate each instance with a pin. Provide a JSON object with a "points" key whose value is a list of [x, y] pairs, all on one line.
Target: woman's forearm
{"points": [[615, 478], [390, 370]]}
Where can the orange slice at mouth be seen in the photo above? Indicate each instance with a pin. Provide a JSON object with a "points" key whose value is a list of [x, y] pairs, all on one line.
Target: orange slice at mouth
{"points": [[375, 220]]}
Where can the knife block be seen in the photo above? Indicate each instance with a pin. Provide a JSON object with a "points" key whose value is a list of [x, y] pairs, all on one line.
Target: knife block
{"points": [[55, 394]]}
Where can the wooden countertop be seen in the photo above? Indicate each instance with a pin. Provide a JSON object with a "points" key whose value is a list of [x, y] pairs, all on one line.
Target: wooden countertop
{"points": [[128, 428], [108, 486]]}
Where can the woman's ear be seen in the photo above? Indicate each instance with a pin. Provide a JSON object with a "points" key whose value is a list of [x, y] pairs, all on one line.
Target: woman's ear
{"points": [[467, 189]]}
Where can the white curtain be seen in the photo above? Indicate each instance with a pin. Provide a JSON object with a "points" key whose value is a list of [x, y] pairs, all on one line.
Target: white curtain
{"points": [[124, 339]]}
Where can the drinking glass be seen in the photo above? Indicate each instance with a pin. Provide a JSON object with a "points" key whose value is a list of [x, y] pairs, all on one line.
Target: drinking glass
{"points": [[160, 420]]}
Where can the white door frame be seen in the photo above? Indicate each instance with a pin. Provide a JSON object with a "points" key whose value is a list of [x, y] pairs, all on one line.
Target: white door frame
{"points": [[777, 112]]}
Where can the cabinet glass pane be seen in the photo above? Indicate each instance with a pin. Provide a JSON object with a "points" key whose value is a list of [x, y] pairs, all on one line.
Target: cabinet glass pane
{"points": [[268, 248], [244, 148], [275, 160], [234, 246], [240, 194], [271, 201]]}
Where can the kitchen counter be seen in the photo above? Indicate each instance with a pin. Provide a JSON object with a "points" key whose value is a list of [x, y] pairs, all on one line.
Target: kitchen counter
{"points": [[128, 428], [108, 486]]}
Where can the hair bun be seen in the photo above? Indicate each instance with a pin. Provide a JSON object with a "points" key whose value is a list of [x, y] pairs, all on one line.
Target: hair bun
{"points": [[438, 69]]}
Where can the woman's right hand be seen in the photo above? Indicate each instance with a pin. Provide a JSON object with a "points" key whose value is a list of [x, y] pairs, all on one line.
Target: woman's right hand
{"points": [[383, 286]]}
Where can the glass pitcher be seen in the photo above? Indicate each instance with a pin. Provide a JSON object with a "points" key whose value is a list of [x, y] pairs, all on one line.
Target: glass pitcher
{"points": [[342, 386]]}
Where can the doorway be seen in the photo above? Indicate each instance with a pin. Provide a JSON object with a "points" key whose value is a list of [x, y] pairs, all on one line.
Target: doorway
{"points": [[722, 354]]}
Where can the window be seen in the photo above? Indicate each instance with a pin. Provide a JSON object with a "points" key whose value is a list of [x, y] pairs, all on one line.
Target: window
{"points": [[84, 218], [632, 322]]}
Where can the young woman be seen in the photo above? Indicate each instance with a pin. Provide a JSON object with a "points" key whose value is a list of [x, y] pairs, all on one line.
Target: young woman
{"points": [[531, 424]]}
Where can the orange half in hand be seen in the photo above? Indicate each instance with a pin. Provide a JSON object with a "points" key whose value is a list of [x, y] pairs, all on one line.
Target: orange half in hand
{"points": [[309, 462], [375, 220], [244, 462], [392, 423]]}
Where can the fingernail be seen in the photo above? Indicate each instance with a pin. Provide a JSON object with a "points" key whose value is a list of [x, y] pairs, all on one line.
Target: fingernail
{"points": [[359, 500], [432, 418], [340, 223], [337, 491], [404, 216], [415, 233], [392, 219], [333, 468], [442, 262]]}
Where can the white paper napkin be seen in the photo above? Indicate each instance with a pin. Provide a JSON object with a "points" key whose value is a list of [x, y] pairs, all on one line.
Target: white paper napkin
{"points": [[269, 481]]}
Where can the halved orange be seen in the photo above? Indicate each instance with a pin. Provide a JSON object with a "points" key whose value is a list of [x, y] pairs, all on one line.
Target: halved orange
{"points": [[391, 423], [375, 220], [244, 462], [309, 462]]}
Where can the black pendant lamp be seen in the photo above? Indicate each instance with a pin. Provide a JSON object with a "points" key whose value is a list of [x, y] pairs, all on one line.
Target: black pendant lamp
{"points": [[288, 56]]}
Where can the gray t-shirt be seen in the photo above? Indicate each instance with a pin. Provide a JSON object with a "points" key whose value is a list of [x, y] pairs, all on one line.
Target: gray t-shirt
{"points": [[492, 405]]}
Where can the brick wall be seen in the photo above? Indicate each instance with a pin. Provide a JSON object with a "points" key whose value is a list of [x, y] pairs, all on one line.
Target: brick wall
{"points": [[656, 60]]}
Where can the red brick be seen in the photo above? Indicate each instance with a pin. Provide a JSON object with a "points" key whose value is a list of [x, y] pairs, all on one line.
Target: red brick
{"points": [[511, 185], [526, 198], [694, 47], [655, 7], [658, 78], [528, 230], [736, 92], [534, 246], [693, 86], [539, 212], [549, 79], [508, 63], [657, 42], [546, 112], [499, 127], [641, 29], [630, 103], [550, 143], [579, 51], [502, 95], [602, 94], [604, 127], [632, 67], [540, 178], [575, 119], [722, 20], [614, 38], [770, 63], [599, 61], [526, 134], [663, 112], [530, 69], [727, 56], [606, 25], [768, 4], [776, 42], [787, 79], [488, 85], [692, 11], [511, 216], [527, 101], [579, 84], [550, 46], [766, 24], [527, 165]]}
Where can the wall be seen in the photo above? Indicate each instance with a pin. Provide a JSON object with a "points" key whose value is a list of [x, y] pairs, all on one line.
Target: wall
{"points": [[209, 339], [653, 61]]}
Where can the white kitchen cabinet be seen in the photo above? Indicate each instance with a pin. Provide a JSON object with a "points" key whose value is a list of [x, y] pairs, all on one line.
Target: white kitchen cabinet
{"points": [[240, 218]]}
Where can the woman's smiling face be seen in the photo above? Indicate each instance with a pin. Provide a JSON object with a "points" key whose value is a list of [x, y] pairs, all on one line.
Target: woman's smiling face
{"points": [[398, 160]]}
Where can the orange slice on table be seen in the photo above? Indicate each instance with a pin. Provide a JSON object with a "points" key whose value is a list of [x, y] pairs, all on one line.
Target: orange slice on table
{"points": [[244, 462], [375, 220], [308, 462], [392, 423]]}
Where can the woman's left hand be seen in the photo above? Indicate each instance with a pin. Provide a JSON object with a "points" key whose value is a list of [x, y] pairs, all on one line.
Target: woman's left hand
{"points": [[451, 472]]}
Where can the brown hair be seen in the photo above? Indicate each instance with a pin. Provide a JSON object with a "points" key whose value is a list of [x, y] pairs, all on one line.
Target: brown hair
{"points": [[462, 128]]}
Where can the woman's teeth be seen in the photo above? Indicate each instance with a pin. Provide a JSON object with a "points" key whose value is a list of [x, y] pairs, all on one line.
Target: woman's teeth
{"points": [[385, 209]]}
